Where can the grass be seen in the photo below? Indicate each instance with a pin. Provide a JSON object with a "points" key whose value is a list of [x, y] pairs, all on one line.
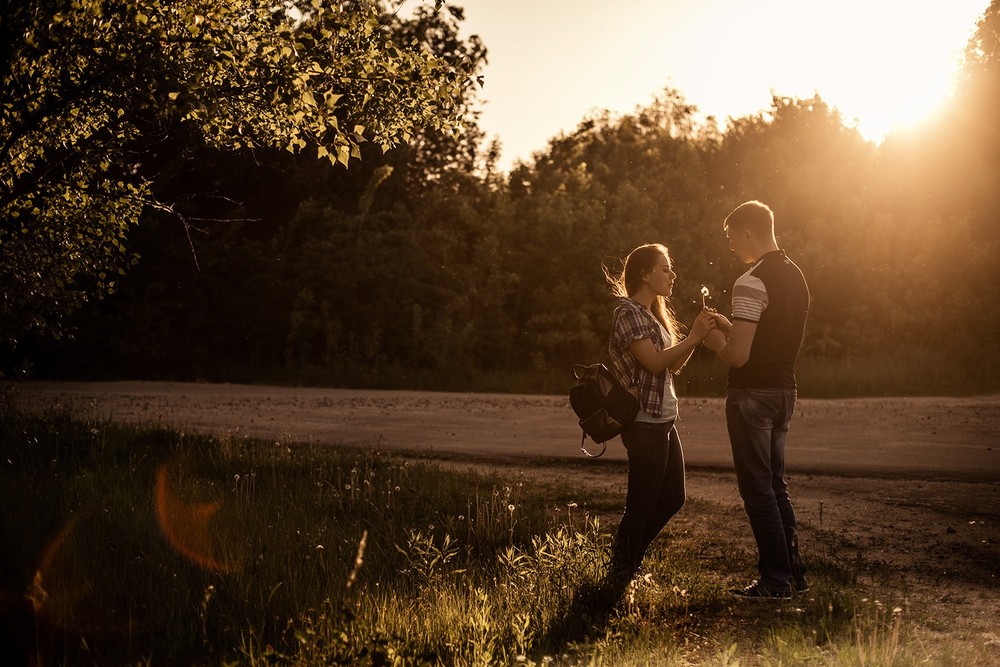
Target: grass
{"points": [[128, 545]]}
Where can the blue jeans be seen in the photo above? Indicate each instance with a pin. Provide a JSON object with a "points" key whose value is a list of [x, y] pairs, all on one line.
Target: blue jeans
{"points": [[758, 423], [655, 493]]}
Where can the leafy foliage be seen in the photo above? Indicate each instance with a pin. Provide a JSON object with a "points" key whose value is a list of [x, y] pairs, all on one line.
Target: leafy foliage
{"points": [[423, 267], [91, 86]]}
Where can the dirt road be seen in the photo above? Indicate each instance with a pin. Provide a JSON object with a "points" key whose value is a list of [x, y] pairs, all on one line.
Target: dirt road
{"points": [[927, 438]]}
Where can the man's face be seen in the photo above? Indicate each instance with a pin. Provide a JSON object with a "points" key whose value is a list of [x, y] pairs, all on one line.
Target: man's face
{"points": [[740, 244]]}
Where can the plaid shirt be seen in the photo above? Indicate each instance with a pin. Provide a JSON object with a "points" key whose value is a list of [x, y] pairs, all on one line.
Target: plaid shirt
{"points": [[631, 322]]}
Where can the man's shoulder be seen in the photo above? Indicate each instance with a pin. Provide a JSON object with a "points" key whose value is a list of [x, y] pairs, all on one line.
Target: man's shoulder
{"points": [[777, 267], [751, 280], [779, 261]]}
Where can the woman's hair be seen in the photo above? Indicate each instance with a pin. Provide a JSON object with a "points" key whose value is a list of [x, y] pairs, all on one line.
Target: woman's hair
{"points": [[639, 262]]}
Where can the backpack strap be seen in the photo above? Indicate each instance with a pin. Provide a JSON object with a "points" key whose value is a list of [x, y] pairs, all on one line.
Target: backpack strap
{"points": [[583, 448]]}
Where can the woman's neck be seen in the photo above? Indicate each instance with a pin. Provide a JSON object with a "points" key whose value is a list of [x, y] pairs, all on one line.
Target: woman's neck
{"points": [[645, 297]]}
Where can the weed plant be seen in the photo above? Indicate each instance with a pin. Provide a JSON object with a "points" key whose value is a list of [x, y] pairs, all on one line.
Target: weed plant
{"points": [[130, 545]]}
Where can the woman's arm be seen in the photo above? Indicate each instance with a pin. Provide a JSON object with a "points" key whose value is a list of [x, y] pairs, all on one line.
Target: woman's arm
{"points": [[657, 362], [675, 356]]}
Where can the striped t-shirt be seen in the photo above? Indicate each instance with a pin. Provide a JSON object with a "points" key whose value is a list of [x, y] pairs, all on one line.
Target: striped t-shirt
{"points": [[774, 295]]}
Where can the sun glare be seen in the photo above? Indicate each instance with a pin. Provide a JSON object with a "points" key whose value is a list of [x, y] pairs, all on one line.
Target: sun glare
{"points": [[900, 77], [893, 100], [885, 65], [881, 63]]}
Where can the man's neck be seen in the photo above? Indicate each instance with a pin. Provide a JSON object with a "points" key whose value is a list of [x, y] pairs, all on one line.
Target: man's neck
{"points": [[770, 247]]}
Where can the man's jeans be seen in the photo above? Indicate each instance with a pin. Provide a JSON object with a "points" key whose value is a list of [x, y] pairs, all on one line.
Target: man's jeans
{"points": [[758, 423], [655, 493]]}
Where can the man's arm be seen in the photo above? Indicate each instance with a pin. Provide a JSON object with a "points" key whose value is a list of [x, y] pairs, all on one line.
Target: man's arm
{"points": [[734, 350]]}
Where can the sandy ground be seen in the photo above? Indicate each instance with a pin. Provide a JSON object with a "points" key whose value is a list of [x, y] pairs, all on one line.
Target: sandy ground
{"points": [[908, 485]]}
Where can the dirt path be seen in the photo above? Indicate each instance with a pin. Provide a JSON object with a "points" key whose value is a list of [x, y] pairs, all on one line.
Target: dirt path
{"points": [[910, 486], [930, 438]]}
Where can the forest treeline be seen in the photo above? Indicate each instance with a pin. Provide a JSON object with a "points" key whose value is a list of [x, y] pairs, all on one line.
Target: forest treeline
{"points": [[426, 267]]}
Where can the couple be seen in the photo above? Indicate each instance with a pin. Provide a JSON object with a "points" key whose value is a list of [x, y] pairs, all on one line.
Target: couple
{"points": [[760, 344]]}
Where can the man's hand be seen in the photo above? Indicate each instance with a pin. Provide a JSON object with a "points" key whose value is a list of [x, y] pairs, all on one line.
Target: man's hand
{"points": [[722, 322], [715, 340]]}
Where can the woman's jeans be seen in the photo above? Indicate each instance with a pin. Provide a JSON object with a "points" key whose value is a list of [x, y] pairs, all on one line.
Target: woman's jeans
{"points": [[758, 423], [655, 493]]}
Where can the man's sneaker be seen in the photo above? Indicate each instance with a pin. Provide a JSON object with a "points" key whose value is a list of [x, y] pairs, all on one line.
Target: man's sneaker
{"points": [[800, 585], [761, 591]]}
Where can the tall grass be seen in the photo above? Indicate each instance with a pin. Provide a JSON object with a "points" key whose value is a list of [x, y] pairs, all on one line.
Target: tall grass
{"points": [[127, 545]]}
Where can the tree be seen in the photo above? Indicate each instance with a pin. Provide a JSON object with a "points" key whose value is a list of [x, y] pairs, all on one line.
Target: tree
{"points": [[591, 197], [91, 86]]}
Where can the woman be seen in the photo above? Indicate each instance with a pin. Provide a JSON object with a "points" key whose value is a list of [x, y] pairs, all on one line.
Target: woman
{"points": [[646, 348]]}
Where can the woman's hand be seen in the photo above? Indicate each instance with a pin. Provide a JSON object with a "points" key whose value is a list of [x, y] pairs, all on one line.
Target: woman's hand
{"points": [[703, 324]]}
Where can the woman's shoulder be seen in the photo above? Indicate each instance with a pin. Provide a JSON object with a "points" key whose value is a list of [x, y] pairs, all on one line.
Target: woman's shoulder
{"points": [[630, 315], [627, 304]]}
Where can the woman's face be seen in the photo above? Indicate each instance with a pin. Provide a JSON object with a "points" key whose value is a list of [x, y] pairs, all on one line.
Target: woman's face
{"points": [[661, 277]]}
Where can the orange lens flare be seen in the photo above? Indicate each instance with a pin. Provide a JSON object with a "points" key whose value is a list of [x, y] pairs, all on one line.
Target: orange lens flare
{"points": [[62, 582], [191, 528]]}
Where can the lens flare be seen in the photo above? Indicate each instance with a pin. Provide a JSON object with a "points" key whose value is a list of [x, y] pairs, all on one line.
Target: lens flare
{"points": [[73, 589], [60, 584], [191, 528]]}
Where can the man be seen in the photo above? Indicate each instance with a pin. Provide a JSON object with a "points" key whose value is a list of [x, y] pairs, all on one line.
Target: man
{"points": [[770, 303]]}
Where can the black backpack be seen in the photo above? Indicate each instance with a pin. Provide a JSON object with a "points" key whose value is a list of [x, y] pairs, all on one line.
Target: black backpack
{"points": [[604, 407]]}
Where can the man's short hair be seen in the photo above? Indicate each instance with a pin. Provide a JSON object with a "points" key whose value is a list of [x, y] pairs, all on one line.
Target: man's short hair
{"points": [[754, 216]]}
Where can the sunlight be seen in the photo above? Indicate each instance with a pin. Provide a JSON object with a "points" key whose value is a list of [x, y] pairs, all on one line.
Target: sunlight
{"points": [[883, 65], [894, 96], [890, 79]]}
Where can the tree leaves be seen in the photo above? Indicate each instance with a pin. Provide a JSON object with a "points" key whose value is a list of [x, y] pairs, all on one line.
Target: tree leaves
{"points": [[90, 85]]}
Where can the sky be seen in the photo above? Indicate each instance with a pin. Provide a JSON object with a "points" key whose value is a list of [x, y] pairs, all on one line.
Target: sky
{"points": [[553, 62]]}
